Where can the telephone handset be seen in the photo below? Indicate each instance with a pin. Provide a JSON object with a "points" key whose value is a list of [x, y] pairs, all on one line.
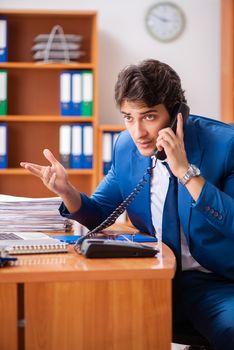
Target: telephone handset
{"points": [[179, 108]]}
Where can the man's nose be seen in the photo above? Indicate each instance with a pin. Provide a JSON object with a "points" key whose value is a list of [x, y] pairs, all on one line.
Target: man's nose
{"points": [[139, 130]]}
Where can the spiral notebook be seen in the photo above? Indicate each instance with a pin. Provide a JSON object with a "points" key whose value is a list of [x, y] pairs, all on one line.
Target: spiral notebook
{"points": [[31, 243]]}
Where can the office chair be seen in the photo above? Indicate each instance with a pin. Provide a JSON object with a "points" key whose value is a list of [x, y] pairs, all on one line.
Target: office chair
{"points": [[184, 333]]}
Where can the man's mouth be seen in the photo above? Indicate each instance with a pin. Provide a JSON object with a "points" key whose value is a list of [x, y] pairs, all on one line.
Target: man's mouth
{"points": [[144, 144]]}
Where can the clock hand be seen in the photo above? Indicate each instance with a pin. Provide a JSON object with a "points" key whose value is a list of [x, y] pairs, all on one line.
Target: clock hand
{"points": [[161, 18]]}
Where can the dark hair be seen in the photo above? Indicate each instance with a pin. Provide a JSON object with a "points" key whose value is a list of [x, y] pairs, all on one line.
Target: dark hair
{"points": [[151, 82]]}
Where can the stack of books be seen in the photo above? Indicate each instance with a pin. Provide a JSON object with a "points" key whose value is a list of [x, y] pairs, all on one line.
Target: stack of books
{"points": [[23, 214]]}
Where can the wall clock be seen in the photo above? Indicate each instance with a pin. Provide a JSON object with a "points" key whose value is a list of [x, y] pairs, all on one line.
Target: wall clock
{"points": [[165, 21]]}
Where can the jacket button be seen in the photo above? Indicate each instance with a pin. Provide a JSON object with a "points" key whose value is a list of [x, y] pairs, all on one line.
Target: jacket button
{"points": [[207, 208], [220, 217], [216, 214], [212, 211]]}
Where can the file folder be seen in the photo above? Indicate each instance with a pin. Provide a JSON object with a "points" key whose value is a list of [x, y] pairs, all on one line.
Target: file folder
{"points": [[88, 146], [3, 92], [87, 93], [76, 93], [76, 150], [107, 151], [65, 145], [3, 146], [65, 94], [3, 40]]}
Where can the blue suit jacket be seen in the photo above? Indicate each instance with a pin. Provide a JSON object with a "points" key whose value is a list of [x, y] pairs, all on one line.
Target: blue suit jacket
{"points": [[208, 223]]}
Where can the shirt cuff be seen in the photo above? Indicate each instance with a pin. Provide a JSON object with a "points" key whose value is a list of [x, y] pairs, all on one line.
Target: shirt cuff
{"points": [[77, 214]]}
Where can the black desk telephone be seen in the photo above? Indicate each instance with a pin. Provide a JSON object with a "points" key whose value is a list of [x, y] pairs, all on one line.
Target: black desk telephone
{"points": [[123, 249], [104, 248]]}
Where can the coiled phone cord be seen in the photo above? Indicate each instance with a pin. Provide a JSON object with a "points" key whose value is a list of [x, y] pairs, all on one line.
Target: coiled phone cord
{"points": [[119, 210]]}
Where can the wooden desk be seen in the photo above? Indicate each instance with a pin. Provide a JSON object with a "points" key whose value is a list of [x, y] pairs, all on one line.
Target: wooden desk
{"points": [[70, 302]]}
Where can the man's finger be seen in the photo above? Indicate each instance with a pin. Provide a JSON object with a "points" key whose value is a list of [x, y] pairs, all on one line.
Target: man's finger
{"points": [[179, 128], [26, 164], [49, 156], [33, 168], [52, 180], [46, 175]]}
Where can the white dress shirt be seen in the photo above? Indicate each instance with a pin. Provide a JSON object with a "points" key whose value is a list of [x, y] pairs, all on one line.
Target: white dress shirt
{"points": [[158, 192]]}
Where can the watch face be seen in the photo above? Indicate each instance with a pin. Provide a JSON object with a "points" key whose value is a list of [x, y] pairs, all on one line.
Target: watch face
{"points": [[195, 171], [165, 21]]}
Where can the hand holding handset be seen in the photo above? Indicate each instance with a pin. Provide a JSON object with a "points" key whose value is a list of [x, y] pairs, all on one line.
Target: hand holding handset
{"points": [[179, 108]]}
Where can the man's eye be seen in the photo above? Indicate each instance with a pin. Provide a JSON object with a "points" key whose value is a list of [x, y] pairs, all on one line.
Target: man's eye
{"points": [[150, 117], [127, 118]]}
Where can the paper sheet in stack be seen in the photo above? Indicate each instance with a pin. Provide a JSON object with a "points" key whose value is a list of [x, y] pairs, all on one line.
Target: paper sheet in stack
{"points": [[23, 214]]}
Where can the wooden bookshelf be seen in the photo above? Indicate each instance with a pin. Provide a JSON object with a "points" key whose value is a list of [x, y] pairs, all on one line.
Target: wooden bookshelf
{"points": [[227, 61], [33, 95]]}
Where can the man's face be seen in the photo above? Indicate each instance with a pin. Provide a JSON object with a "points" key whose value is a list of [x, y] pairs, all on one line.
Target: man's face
{"points": [[144, 123]]}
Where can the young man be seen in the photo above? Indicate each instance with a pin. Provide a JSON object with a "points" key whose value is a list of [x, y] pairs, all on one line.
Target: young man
{"points": [[200, 156]]}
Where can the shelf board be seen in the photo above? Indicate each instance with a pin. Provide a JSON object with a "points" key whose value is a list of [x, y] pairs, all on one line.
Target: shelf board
{"points": [[49, 13], [19, 171], [33, 65], [111, 127], [45, 118]]}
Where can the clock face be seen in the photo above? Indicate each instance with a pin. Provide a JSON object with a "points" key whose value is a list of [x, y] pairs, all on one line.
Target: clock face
{"points": [[165, 21]]}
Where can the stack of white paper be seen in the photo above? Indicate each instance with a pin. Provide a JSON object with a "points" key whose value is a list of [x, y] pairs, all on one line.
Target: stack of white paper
{"points": [[22, 214]]}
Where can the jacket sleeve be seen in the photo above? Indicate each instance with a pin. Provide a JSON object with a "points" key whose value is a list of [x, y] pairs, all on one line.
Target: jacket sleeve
{"points": [[218, 205], [100, 205]]}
